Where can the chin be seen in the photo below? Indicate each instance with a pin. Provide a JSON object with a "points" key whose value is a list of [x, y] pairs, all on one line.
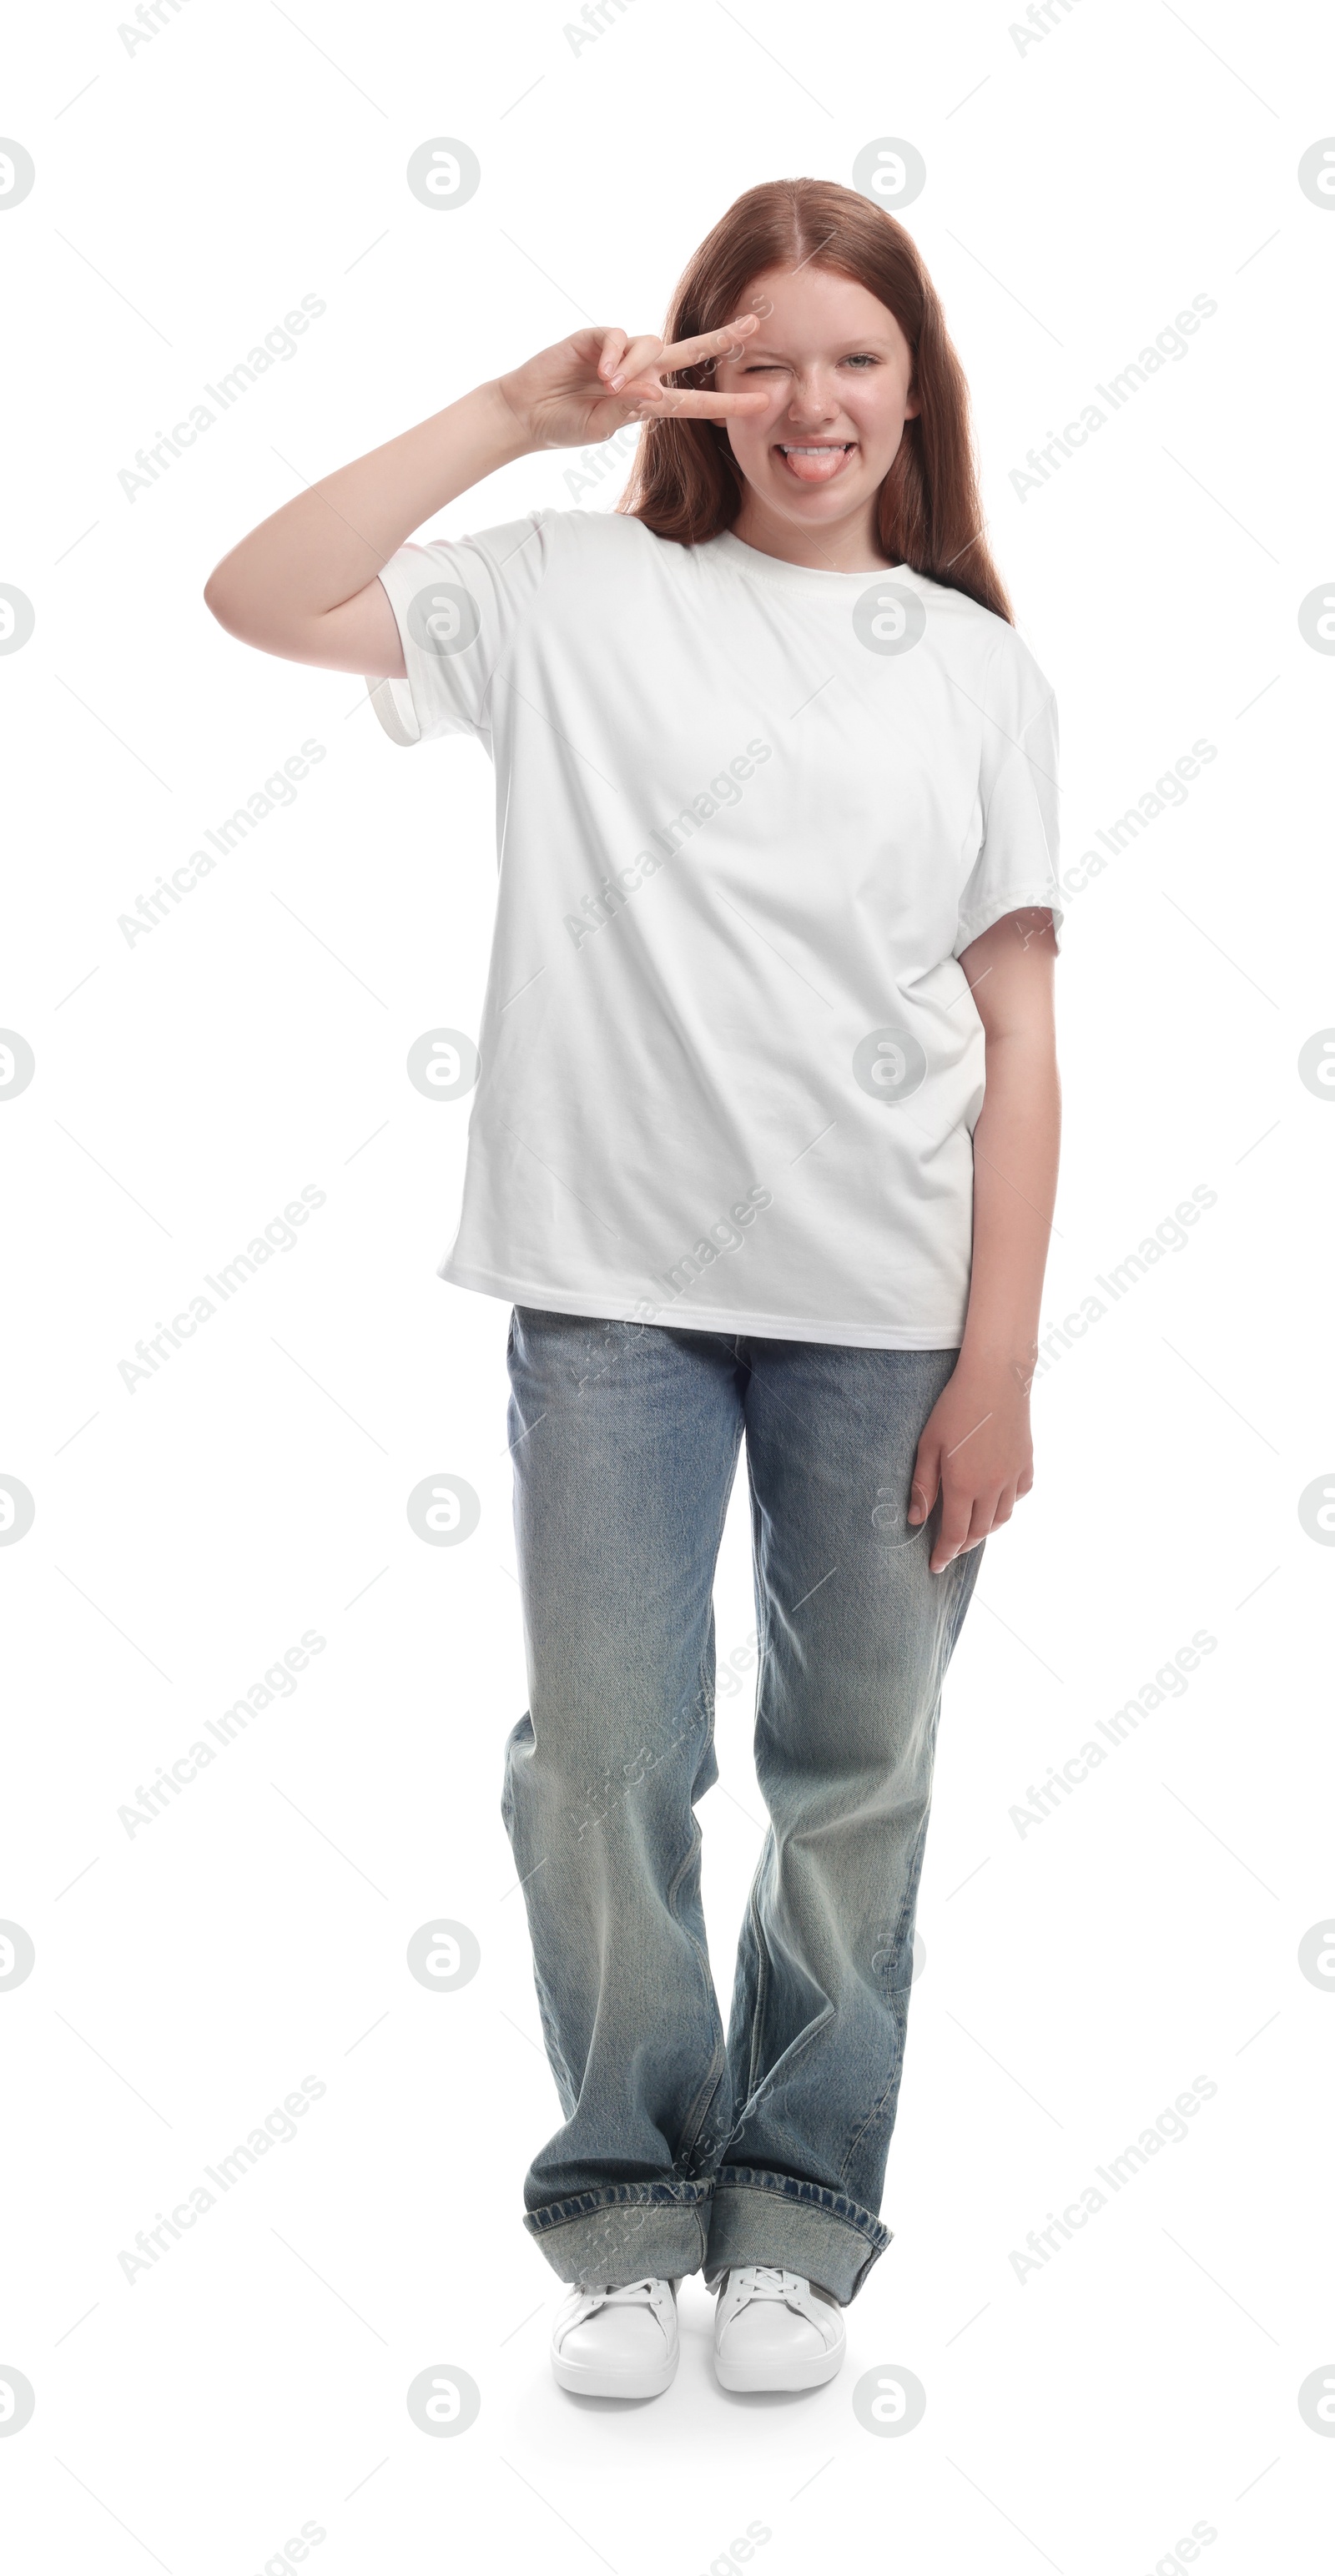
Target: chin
{"points": [[821, 500]]}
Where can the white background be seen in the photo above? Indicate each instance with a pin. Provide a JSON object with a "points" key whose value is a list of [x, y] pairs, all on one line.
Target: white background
{"points": [[1079, 193]]}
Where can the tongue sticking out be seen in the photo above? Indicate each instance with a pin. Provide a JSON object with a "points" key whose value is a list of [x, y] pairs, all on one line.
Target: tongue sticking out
{"points": [[813, 465]]}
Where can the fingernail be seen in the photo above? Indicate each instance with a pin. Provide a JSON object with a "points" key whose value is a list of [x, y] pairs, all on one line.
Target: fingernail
{"points": [[617, 380]]}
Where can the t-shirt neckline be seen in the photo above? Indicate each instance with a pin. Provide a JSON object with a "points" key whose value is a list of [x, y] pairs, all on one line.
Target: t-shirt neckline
{"points": [[747, 558]]}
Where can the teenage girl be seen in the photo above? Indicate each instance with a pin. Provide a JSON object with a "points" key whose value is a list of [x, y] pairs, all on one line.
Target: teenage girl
{"points": [[763, 1150]]}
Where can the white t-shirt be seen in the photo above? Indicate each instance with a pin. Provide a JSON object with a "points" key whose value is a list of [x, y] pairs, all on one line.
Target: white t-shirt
{"points": [[748, 816]]}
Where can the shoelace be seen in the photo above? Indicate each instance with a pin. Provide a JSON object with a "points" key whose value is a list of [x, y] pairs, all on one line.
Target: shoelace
{"points": [[625, 2294], [766, 2281]]}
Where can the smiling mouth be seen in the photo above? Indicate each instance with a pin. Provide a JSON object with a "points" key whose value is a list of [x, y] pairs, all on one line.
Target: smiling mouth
{"points": [[815, 460]]}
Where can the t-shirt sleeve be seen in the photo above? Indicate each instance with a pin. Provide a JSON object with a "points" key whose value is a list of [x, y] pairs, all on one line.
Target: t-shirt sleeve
{"points": [[1016, 865], [458, 603]]}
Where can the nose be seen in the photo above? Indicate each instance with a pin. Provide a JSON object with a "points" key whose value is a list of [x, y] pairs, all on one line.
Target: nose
{"points": [[815, 400]]}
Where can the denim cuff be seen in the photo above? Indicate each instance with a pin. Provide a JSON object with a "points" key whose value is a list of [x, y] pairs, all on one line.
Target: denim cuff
{"points": [[801, 2226], [627, 2231]]}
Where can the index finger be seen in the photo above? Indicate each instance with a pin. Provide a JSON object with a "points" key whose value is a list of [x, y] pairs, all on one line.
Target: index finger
{"points": [[674, 402], [706, 344]]}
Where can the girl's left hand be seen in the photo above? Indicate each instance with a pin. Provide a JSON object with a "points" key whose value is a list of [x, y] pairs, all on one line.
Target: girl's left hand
{"points": [[977, 1453]]}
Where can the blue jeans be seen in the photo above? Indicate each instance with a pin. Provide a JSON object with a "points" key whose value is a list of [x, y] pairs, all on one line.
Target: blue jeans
{"points": [[678, 2149]]}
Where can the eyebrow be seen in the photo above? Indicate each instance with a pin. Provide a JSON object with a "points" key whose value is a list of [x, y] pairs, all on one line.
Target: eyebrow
{"points": [[845, 348]]}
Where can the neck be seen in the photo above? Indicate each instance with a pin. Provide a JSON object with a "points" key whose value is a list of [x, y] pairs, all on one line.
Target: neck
{"points": [[849, 544]]}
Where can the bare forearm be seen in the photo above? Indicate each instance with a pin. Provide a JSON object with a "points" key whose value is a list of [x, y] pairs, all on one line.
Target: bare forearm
{"points": [[1015, 1149], [322, 548], [303, 584]]}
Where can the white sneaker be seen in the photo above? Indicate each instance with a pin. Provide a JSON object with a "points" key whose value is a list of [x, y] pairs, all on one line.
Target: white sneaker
{"points": [[772, 2329], [617, 2342]]}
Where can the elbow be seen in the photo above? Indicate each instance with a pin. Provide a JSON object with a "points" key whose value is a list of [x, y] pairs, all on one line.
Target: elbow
{"points": [[221, 601], [236, 597], [243, 610], [215, 596]]}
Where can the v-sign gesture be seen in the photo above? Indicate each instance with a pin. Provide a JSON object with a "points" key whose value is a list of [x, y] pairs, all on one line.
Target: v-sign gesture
{"points": [[589, 386]]}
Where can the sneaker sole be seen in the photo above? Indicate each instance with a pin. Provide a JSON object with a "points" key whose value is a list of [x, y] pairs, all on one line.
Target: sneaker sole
{"points": [[748, 2379], [615, 2383]]}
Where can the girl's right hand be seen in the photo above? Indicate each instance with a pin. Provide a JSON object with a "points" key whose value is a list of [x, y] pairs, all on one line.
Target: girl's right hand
{"points": [[590, 385]]}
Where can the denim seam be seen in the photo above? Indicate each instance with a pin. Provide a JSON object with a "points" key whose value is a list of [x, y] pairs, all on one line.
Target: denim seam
{"points": [[695, 2117], [763, 1658], [906, 1912], [755, 2081], [761, 1993], [950, 1626], [908, 1908]]}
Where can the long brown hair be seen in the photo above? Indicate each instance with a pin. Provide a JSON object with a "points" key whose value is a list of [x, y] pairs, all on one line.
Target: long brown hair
{"points": [[685, 482]]}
